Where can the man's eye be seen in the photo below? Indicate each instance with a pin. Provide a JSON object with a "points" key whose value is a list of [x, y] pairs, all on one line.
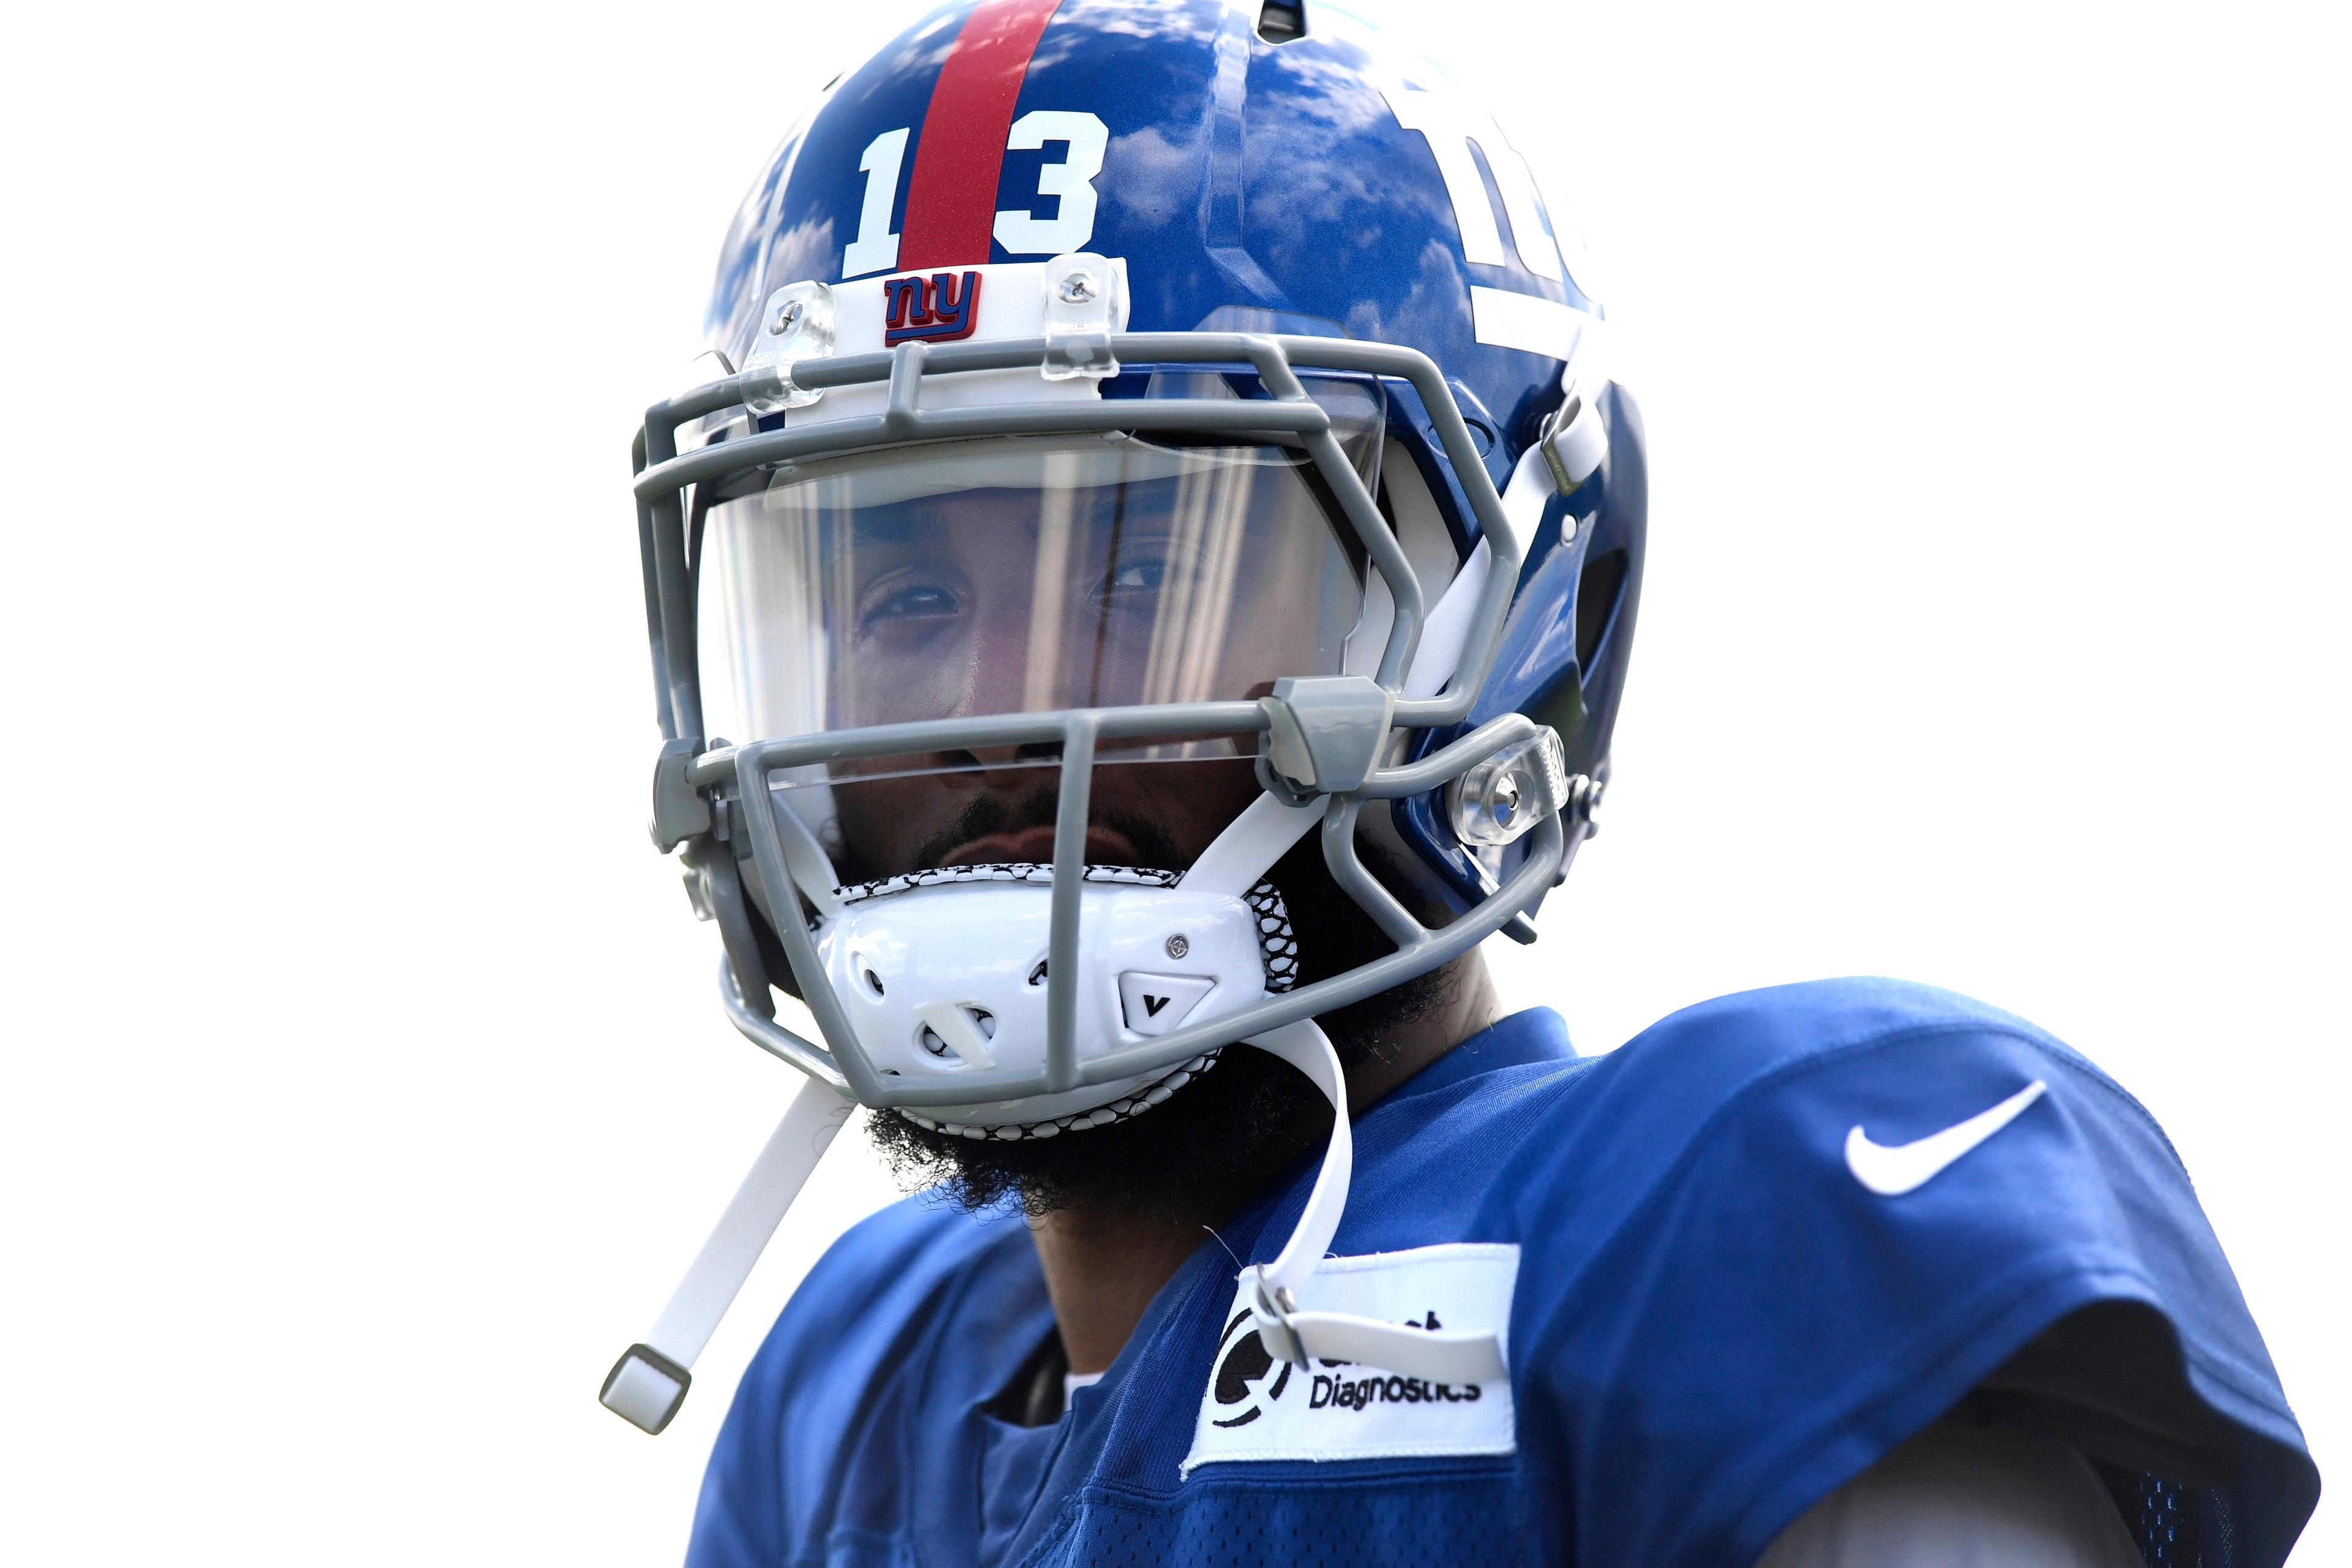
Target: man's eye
{"points": [[1139, 577], [920, 602]]}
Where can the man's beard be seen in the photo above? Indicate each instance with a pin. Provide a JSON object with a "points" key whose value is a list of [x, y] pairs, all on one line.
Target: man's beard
{"points": [[1224, 1134]]}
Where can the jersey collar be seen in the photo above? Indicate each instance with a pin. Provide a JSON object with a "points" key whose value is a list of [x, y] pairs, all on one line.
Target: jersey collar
{"points": [[1523, 1039]]}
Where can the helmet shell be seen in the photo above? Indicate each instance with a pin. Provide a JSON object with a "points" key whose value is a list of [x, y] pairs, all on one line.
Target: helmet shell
{"points": [[1330, 183], [1236, 176]]}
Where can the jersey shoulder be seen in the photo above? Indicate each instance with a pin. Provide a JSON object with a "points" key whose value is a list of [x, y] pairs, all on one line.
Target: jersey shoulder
{"points": [[814, 1416], [899, 1266], [1727, 1048], [1765, 1081], [1778, 1233]]}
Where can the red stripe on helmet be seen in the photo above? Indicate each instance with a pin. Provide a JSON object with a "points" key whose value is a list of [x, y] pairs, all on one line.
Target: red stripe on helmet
{"points": [[951, 196]]}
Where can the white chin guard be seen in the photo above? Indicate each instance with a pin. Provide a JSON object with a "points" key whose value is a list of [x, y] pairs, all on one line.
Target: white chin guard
{"points": [[944, 972]]}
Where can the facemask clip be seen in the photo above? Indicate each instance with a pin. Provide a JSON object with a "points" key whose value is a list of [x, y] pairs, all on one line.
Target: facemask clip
{"points": [[1325, 733], [1498, 801], [795, 324], [1086, 302], [1573, 441]]}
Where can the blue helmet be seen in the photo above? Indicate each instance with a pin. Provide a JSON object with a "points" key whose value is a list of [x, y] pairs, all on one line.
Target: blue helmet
{"points": [[1185, 400]]}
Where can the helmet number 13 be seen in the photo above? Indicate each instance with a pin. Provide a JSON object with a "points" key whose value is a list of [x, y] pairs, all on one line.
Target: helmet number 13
{"points": [[1018, 229]]}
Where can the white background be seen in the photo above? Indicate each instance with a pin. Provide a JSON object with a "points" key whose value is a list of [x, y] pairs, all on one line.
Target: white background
{"points": [[365, 1090]]}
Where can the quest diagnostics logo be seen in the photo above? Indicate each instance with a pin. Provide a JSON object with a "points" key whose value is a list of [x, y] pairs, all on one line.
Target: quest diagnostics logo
{"points": [[1343, 1391], [1258, 1407], [1248, 1378]]}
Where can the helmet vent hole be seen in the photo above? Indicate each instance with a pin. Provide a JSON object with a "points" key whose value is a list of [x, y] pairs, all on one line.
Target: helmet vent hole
{"points": [[873, 981], [1037, 975], [1597, 591], [984, 1023], [1281, 21]]}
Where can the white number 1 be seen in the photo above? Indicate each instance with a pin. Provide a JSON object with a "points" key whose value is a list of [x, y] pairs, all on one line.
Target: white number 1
{"points": [[876, 248]]}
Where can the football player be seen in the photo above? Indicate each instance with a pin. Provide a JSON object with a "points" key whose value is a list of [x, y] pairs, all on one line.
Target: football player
{"points": [[1142, 592]]}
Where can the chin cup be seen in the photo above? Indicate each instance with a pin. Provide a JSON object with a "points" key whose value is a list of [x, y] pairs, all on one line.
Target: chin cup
{"points": [[947, 975]]}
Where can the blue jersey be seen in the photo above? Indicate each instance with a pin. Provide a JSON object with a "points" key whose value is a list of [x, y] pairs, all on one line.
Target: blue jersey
{"points": [[1730, 1273]]}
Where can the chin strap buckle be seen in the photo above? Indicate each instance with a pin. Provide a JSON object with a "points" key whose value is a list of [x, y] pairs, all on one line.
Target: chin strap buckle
{"points": [[1271, 1307], [1342, 1337], [644, 1388]]}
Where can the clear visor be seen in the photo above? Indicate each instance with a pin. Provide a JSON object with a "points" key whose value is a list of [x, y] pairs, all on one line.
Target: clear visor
{"points": [[1019, 575]]}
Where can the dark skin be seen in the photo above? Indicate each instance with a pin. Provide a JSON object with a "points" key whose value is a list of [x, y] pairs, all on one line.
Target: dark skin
{"points": [[1103, 1264], [951, 614], [1103, 1259]]}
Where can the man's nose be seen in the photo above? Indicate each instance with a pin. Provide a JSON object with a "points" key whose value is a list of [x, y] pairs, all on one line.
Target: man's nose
{"points": [[996, 682], [1009, 670]]}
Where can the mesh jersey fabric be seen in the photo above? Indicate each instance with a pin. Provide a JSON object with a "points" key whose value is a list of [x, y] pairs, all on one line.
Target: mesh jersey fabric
{"points": [[1714, 1323]]}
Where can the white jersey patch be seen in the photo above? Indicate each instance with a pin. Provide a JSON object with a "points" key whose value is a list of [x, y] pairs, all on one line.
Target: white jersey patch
{"points": [[1256, 1408]]}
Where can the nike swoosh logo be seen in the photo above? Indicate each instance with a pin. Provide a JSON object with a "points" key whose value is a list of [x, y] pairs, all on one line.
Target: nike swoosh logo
{"points": [[1906, 1167]]}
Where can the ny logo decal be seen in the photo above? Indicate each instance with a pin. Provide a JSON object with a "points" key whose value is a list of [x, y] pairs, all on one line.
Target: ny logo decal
{"points": [[937, 309]]}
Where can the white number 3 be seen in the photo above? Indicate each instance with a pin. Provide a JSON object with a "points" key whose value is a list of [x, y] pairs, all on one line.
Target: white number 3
{"points": [[1018, 229]]}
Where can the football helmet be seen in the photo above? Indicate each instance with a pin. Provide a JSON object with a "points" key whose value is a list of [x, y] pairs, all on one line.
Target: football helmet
{"points": [[1121, 408]]}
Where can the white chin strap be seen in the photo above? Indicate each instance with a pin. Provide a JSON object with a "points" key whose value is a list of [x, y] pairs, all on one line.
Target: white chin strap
{"points": [[1297, 1335], [649, 1381]]}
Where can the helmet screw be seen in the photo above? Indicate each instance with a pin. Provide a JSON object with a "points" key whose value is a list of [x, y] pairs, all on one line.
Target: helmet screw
{"points": [[1178, 945], [1077, 288], [1584, 801], [787, 318]]}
